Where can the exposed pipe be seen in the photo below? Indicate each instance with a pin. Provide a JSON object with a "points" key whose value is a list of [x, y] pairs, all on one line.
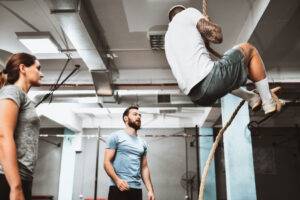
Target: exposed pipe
{"points": [[198, 156], [186, 169], [120, 85], [121, 50], [97, 164]]}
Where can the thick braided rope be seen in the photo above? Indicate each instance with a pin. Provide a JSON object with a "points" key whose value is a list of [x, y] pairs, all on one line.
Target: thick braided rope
{"points": [[204, 12], [204, 8], [213, 150]]}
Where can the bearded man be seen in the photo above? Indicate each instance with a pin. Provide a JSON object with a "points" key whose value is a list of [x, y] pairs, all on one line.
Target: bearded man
{"points": [[125, 160]]}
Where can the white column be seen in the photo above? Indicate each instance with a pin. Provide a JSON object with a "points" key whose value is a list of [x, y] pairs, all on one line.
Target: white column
{"points": [[240, 177], [206, 141]]}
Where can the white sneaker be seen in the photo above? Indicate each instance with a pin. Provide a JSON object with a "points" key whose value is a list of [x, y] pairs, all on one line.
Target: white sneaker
{"points": [[269, 106], [255, 102]]}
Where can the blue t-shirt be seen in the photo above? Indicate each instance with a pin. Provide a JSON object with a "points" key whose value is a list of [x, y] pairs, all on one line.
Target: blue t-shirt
{"points": [[129, 152]]}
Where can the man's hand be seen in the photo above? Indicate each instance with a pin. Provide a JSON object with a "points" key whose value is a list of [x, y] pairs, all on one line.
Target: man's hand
{"points": [[209, 30], [151, 196], [122, 185], [206, 17], [16, 194]]}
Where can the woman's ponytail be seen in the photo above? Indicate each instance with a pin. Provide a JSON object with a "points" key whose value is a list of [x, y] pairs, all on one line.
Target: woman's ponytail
{"points": [[2, 78]]}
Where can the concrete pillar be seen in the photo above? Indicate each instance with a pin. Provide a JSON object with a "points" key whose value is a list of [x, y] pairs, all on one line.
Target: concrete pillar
{"points": [[206, 140], [67, 167], [240, 177]]}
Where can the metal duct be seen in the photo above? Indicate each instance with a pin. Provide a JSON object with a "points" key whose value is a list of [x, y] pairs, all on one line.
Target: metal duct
{"points": [[65, 4], [124, 99], [163, 98], [81, 26], [102, 82]]}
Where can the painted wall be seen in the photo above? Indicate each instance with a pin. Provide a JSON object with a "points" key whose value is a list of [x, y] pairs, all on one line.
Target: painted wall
{"points": [[46, 175], [276, 164], [166, 157]]}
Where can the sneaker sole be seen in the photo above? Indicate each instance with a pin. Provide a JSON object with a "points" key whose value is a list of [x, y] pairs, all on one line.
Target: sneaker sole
{"points": [[271, 111]]}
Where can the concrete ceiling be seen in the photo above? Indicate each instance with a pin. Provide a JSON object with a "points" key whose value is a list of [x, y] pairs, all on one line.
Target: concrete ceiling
{"points": [[32, 11], [277, 36]]}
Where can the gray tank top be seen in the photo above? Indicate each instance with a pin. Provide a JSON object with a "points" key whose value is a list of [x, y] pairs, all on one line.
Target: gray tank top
{"points": [[26, 133]]}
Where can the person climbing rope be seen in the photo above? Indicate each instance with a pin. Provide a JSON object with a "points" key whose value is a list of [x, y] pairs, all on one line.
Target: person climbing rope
{"points": [[205, 80]]}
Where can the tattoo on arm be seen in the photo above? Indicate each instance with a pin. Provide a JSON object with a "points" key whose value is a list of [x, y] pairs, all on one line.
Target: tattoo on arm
{"points": [[210, 31]]}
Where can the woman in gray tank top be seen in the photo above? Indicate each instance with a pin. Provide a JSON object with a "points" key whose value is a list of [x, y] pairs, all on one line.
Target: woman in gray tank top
{"points": [[19, 126]]}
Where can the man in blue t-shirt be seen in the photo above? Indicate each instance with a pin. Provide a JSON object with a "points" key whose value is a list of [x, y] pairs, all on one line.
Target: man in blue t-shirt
{"points": [[125, 160]]}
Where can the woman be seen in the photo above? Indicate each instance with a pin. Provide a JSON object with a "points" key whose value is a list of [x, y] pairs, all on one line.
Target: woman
{"points": [[19, 127]]}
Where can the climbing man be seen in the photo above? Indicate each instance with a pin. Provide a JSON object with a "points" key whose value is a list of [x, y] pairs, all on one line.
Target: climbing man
{"points": [[205, 80]]}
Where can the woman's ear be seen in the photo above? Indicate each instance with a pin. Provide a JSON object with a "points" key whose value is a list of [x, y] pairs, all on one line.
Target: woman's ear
{"points": [[22, 68]]}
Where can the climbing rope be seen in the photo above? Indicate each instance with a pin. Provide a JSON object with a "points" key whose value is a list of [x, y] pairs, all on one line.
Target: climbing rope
{"points": [[213, 150], [221, 132], [207, 44], [279, 104], [204, 8]]}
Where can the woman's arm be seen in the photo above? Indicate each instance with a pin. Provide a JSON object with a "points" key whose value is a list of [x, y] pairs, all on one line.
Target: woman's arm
{"points": [[8, 153]]}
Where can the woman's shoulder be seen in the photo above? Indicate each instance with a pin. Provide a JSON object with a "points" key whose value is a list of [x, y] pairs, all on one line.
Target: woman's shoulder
{"points": [[13, 92]]}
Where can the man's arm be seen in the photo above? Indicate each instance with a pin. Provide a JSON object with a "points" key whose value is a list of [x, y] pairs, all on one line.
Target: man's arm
{"points": [[8, 153], [210, 31], [211, 50], [146, 178], [108, 158]]}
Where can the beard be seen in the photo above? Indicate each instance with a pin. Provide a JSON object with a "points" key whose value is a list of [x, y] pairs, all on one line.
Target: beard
{"points": [[136, 125]]}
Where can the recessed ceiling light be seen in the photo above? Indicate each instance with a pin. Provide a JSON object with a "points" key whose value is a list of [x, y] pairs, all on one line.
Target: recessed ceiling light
{"points": [[38, 42]]}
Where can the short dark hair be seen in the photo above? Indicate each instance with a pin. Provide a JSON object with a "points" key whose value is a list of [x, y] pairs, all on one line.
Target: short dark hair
{"points": [[126, 112], [174, 11]]}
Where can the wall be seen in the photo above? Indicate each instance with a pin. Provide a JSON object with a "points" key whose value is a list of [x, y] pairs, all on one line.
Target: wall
{"points": [[276, 157], [166, 157], [46, 175], [276, 162]]}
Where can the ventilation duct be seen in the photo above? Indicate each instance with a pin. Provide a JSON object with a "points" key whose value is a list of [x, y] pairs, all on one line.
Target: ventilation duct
{"points": [[156, 35], [167, 110], [102, 82], [163, 98], [81, 25]]}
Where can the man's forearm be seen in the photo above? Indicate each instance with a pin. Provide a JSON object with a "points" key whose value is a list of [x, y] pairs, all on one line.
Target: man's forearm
{"points": [[212, 51], [147, 179], [8, 160], [210, 31], [110, 171]]}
